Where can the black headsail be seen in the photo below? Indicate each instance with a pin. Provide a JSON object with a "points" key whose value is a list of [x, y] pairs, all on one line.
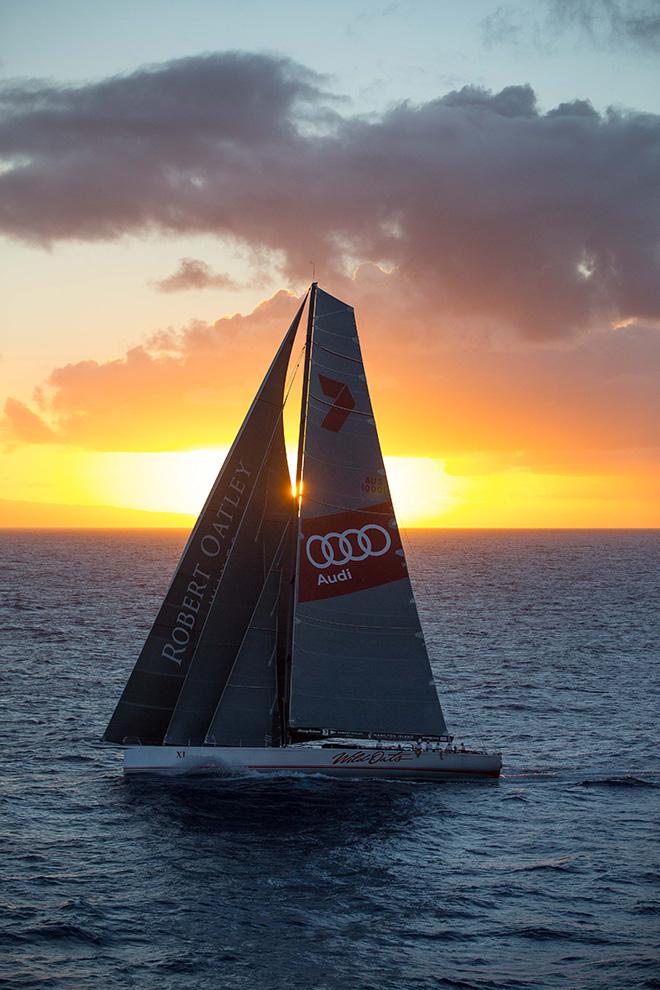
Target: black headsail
{"points": [[251, 493], [252, 710], [244, 583]]}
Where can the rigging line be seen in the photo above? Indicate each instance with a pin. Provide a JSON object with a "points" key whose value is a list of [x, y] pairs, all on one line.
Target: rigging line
{"points": [[247, 630], [277, 567], [294, 372], [257, 529], [248, 687]]}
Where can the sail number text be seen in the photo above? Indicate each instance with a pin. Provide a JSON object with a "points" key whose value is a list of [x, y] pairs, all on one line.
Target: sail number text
{"points": [[375, 486]]}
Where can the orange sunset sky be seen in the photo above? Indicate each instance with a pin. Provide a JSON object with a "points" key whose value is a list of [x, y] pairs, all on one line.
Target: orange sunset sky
{"points": [[497, 231]]}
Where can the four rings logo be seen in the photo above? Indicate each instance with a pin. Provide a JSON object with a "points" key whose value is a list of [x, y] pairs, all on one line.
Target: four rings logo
{"points": [[351, 545]]}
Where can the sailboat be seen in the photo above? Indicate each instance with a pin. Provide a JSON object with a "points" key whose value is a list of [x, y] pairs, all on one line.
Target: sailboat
{"points": [[289, 638]]}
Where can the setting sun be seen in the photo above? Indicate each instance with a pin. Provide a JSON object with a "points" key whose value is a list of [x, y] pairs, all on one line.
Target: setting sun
{"points": [[179, 481]]}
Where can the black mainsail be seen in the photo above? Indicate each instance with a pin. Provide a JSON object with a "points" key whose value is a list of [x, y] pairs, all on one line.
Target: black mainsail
{"points": [[359, 663], [254, 483]]}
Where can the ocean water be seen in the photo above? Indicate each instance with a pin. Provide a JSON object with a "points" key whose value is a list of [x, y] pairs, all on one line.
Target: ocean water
{"points": [[544, 645]]}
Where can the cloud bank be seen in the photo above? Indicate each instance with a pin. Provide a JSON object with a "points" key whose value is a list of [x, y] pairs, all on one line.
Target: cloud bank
{"points": [[492, 210], [574, 406], [176, 389], [611, 23], [604, 24], [193, 273]]}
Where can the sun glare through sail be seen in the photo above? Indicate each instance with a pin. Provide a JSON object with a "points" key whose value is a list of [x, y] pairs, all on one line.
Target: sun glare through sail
{"points": [[177, 482]]}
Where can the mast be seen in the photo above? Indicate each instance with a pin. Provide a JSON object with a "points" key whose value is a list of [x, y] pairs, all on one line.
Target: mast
{"points": [[305, 393], [284, 681]]}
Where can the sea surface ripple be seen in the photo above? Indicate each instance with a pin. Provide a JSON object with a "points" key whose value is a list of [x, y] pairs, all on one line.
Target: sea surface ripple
{"points": [[544, 645]]}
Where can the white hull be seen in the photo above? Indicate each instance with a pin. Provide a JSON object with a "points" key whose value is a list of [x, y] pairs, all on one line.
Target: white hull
{"points": [[336, 761]]}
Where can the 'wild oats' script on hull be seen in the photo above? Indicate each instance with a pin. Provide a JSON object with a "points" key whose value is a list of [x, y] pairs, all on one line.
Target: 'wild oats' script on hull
{"points": [[372, 757]]}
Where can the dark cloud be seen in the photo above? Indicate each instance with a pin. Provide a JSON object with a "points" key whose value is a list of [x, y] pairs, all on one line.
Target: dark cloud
{"points": [[611, 23], [503, 26], [195, 274], [493, 210], [147, 149], [605, 24]]}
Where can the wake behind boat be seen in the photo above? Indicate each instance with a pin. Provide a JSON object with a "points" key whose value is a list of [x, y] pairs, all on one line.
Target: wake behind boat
{"points": [[289, 638]]}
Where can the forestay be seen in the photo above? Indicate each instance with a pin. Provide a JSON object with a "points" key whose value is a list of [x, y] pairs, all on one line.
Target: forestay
{"points": [[359, 661]]}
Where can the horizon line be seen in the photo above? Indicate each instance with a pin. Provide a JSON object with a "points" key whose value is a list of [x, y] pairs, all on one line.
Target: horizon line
{"points": [[446, 529]]}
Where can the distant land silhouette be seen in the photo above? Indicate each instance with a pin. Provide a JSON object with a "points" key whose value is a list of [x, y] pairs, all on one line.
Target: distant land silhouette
{"points": [[38, 515]]}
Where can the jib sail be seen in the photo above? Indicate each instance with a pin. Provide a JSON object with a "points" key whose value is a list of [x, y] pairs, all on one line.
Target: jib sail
{"points": [[251, 497]]}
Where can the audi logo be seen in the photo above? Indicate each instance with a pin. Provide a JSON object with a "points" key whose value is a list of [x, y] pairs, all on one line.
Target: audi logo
{"points": [[351, 545]]}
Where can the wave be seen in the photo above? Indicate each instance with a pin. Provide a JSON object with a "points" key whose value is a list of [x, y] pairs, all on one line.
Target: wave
{"points": [[543, 934], [557, 863], [646, 907], [623, 781], [54, 932]]}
